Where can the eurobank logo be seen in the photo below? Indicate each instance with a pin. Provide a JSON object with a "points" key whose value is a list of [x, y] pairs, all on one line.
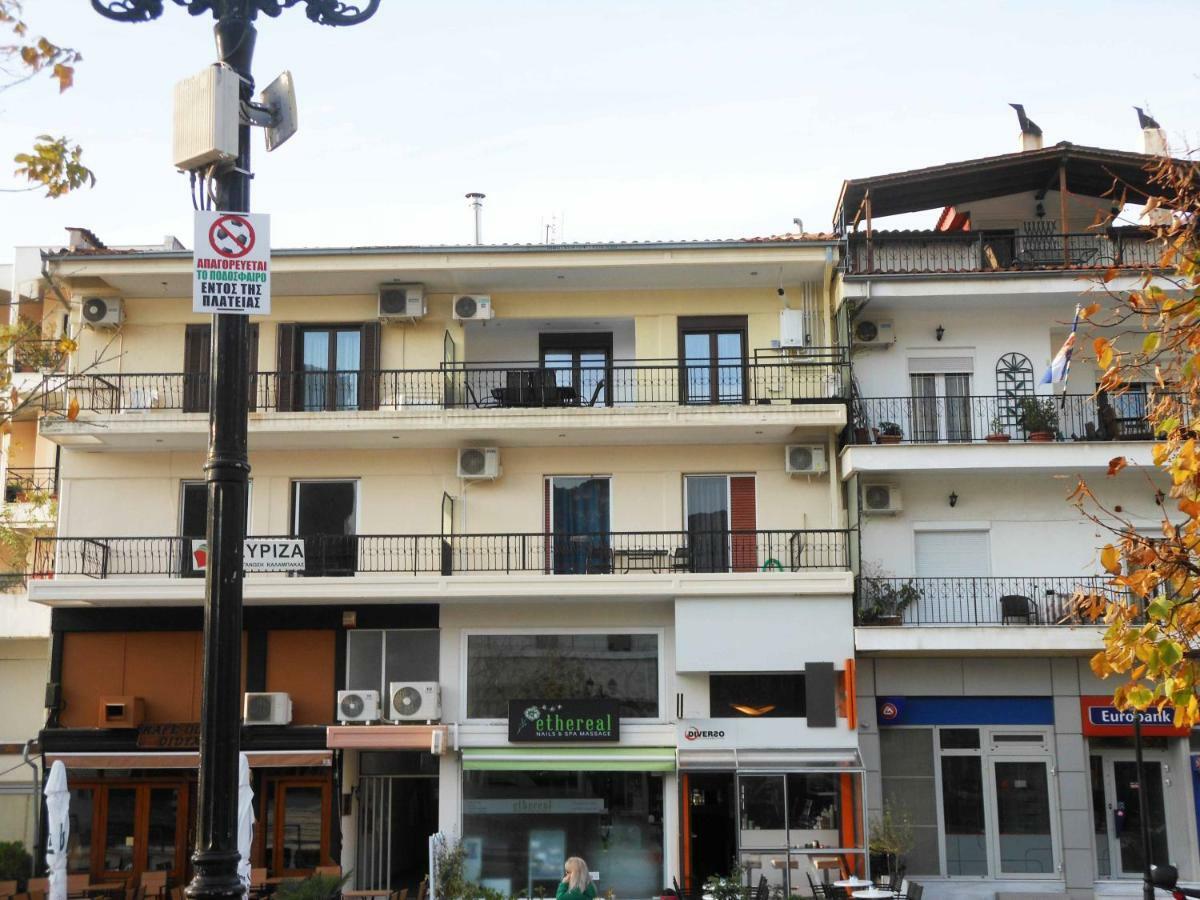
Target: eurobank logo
{"points": [[699, 734]]}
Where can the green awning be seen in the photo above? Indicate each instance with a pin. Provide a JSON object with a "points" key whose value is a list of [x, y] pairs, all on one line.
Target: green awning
{"points": [[570, 759]]}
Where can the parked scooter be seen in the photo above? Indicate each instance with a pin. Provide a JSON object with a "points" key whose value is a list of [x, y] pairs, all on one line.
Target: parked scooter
{"points": [[1166, 878]]}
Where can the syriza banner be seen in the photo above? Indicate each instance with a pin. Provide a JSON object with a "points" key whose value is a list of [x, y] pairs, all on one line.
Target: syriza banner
{"points": [[231, 271]]}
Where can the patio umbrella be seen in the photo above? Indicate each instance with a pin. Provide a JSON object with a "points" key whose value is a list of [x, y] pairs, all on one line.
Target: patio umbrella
{"points": [[58, 829], [245, 827]]}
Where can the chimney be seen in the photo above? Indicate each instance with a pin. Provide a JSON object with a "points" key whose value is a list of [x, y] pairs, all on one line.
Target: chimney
{"points": [[83, 239], [1154, 138], [1031, 135], [477, 205]]}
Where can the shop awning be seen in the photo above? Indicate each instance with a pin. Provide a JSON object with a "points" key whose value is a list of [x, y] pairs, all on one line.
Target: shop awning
{"points": [[777, 760], [570, 759], [186, 760], [429, 738]]}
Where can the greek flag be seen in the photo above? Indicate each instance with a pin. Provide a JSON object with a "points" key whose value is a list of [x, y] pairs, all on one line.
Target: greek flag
{"points": [[1060, 366]]}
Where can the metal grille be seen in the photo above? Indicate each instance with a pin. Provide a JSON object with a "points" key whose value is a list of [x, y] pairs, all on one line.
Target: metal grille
{"points": [[374, 868]]}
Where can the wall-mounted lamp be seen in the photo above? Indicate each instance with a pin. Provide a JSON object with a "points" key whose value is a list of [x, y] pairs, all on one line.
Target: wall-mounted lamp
{"points": [[1040, 210], [953, 499], [939, 332]]}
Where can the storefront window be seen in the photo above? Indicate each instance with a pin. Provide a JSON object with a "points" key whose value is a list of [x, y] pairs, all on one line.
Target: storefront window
{"points": [[79, 843], [520, 827], [501, 667], [118, 838], [764, 820], [962, 811], [1023, 817], [160, 830], [763, 695], [909, 784]]}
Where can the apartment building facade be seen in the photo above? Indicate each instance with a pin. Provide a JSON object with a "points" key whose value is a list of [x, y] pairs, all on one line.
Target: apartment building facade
{"points": [[570, 519], [979, 713]]}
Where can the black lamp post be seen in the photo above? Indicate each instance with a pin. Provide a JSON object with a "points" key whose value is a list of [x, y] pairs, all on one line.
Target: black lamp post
{"points": [[227, 470]]}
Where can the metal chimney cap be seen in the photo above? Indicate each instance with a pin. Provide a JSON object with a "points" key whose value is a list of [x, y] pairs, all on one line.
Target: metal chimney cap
{"points": [[1028, 126], [1145, 119], [475, 195]]}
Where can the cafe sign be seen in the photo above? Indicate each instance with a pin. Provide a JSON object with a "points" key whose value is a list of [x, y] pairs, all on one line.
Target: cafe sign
{"points": [[563, 721], [1101, 719]]}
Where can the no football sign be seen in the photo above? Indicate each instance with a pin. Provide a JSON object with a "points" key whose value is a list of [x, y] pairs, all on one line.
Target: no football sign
{"points": [[232, 263]]}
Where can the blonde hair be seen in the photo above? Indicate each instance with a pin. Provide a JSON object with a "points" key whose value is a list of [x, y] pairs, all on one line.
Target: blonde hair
{"points": [[578, 876]]}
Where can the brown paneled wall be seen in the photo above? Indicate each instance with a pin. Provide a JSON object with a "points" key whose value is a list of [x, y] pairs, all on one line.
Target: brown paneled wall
{"points": [[164, 668]]}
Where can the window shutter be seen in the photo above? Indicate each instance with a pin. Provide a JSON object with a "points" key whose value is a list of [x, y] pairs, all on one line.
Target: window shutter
{"points": [[743, 522], [252, 337], [285, 386], [197, 360], [368, 375], [546, 522], [941, 554]]}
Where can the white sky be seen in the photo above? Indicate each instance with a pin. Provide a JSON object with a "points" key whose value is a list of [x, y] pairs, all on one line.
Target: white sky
{"points": [[646, 120]]}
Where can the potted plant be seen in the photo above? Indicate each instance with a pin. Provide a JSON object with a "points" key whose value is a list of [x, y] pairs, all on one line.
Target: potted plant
{"points": [[314, 887], [882, 601], [997, 434], [727, 887], [1039, 418], [889, 433], [891, 837]]}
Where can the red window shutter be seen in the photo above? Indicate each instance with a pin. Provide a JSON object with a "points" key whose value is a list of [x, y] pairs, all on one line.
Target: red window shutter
{"points": [[549, 563], [743, 522]]}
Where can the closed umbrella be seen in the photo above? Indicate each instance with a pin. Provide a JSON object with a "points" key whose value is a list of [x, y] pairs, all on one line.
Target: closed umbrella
{"points": [[58, 828], [245, 833]]}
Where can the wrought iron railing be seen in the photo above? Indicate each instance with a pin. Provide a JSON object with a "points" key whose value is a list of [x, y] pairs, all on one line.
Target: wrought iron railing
{"points": [[599, 553], [965, 419], [812, 375], [997, 600], [29, 483], [935, 252]]}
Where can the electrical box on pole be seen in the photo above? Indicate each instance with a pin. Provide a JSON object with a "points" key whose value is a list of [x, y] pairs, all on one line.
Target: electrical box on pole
{"points": [[207, 114]]}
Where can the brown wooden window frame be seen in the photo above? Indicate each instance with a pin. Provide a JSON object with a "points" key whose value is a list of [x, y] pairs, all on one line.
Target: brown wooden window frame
{"points": [[274, 788], [712, 326]]}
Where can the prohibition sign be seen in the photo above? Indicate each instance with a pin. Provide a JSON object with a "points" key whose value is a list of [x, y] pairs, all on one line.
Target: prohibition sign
{"points": [[231, 237]]}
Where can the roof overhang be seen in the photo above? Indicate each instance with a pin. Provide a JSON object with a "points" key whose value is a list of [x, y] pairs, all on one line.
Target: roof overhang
{"points": [[1090, 171]]}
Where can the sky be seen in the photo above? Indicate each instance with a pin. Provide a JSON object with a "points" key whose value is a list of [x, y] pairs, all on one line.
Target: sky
{"points": [[613, 120]]}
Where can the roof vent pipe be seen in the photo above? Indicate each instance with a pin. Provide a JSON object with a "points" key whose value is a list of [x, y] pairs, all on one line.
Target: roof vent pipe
{"points": [[1031, 134], [1154, 138], [477, 205]]}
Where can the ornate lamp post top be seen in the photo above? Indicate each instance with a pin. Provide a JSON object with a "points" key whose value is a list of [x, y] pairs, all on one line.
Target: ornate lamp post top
{"points": [[324, 12]]}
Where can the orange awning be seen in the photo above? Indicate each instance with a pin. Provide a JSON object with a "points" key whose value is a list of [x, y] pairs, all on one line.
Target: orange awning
{"points": [[186, 759], [430, 738]]}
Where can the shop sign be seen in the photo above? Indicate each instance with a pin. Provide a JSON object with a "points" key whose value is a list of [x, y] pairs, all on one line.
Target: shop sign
{"points": [[701, 733], [169, 736], [231, 263], [259, 555], [563, 721], [558, 806], [1102, 719]]}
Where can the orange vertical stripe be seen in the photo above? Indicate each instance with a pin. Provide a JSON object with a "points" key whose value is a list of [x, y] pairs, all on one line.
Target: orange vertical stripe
{"points": [[685, 831], [851, 682]]}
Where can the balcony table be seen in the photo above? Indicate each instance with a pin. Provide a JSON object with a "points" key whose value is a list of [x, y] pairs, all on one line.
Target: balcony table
{"points": [[640, 560]]}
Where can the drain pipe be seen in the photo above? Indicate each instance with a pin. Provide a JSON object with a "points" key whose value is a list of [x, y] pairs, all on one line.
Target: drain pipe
{"points": [[37, 806]]}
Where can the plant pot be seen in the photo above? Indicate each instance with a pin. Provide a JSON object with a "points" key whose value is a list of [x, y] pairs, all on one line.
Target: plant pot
{"points": [[890, 438], [998, 438], [1041, 437], [862, 436], [889, 620]]}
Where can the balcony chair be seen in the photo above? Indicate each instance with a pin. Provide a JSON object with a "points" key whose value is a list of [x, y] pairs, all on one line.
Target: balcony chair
{"points": [[1017, 606], [596, 393], [681, 559], [599, 561]]}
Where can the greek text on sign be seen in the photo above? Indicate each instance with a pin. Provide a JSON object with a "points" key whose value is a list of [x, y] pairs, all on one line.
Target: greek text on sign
{"points": [[231, 263], [259, 555]]}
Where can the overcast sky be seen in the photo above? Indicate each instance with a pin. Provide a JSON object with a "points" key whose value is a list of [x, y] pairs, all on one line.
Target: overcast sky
{"points": [[646, 120]]}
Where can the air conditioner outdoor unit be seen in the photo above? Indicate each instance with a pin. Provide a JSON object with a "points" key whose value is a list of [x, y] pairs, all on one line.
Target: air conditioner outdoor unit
{"points": [[804, 459], [267, 709], [358, 706], [402, 302], [473, 306], [874, 333], [414, 700], [479, 462], [103, 312], [122, 712], [881, 499]]}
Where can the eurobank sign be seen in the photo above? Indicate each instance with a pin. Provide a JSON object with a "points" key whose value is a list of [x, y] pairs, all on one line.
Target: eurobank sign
{"points": [[1101, 719]]}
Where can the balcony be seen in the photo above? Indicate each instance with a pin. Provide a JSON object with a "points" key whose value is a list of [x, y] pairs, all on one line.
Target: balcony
{"points": [[610, 553], [30, 485], [952, 615], [763, 399], [1001, 419], [935, 252]]}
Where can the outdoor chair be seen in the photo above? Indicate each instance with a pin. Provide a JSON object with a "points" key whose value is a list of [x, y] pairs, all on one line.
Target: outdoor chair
{"points": [[155, 883], [1017, 606], [818, 889], [335, 871], [77, 883], [599, 561], [38, 888], [596, 392], [915, 891], [681, 559], [763, 891], [423, 888], [8, 888]]}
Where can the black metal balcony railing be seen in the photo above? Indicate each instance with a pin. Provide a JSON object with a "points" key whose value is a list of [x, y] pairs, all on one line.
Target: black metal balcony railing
{"points": [[940, 420], [817, 375], [945, 252], [29, 483], [1002, 600], [608, 553]]}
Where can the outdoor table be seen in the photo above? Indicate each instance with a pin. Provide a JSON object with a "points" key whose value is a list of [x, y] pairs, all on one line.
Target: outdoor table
{"points": [[640, 560], [103, 887], [873, 894], [854, 882], [368, 893]]}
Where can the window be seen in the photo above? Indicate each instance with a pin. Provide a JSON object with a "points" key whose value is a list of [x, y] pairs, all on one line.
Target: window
{"points": [[720, 517], [375, 659], [193, 522], [328, 367], [503, 667], [324, 514], [989, 805], [520, 827], [757, 695], [577, 518], [122, 829], [293, 825], [712, 354], [197, 366], [581, 362]]}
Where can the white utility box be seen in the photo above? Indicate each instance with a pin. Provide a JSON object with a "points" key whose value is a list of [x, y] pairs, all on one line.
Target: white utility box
{"points": [[206, 118]]}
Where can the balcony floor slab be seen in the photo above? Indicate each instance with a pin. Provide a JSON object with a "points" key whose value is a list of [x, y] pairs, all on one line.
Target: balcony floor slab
{"points": [[1074, 456], [978, 640]]}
